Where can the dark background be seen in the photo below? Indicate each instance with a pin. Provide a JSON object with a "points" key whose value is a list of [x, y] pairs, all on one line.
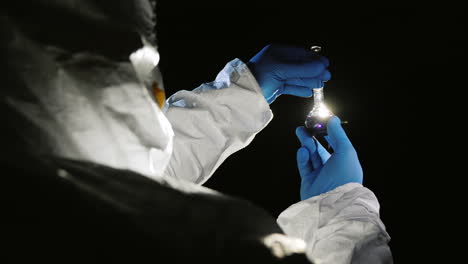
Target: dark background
{"points": [[393, 72], [398, 77]]}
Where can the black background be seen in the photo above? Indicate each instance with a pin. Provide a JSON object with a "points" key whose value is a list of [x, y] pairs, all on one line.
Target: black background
{"points": [[398, 77], [393, 72]]}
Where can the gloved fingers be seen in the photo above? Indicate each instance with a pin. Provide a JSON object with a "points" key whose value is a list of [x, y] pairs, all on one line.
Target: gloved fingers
{"points": [[290, 51], [307, 82], [322, 152], [337, 136], [298, 54], [306, 139], [329, 141], [325, 76], [317, 153], [316, 157], [303, 162], [308, 69], [301, 91], [324, 60], [293, 86], [273, 97]]}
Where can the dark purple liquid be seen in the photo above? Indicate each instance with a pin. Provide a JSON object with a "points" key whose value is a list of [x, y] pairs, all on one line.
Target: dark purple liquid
{"points": [[317, 126]]}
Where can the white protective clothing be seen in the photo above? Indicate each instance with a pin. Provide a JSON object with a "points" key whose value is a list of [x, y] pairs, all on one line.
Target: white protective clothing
{"points": [[341, 226], [105, 114]]}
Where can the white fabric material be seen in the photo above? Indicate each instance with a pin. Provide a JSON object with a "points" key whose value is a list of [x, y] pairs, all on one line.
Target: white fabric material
{"points": [[340, 226], [145, 62], [212, 122], [93, 109], [97, 110], [90, 108], [215, 120]]}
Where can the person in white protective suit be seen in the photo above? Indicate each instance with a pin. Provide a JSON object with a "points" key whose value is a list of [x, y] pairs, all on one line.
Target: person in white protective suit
{"points": [[90, 117]]}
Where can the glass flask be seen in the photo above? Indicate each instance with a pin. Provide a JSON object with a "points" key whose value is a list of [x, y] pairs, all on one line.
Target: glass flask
{"points": [[316, 121]]}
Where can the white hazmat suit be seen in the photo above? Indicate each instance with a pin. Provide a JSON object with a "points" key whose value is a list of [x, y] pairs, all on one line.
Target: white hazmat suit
{"points": [[114, 120]]}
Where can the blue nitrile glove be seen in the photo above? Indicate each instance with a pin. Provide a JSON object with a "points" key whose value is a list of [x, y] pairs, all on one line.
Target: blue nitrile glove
{"points": [[283, 69], [321, 172]]}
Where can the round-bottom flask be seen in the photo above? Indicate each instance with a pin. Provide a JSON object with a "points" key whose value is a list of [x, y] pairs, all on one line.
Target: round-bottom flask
{"points": [[317, 119]]}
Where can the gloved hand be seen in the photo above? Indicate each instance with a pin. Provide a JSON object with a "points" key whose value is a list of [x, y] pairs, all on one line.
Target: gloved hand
{"points": [[283, 69], [321, 172]]}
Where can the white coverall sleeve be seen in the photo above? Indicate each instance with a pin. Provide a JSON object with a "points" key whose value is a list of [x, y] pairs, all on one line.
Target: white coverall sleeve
{"points": [[340, 226], [214, 121]]}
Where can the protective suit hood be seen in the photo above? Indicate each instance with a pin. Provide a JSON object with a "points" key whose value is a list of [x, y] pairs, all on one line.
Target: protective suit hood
{"points": [[77, 89], [87, 25]]}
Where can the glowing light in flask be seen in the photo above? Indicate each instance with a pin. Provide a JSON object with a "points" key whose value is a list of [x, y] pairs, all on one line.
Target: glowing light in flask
{"points": [[319, 115], [320, 109]]}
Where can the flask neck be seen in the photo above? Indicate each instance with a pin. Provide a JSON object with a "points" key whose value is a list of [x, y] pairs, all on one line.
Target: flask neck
{"points": [[318, 95]]}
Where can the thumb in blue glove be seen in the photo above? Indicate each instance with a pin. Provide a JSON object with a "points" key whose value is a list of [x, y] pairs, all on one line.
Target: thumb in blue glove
{"points": [[321, 172], [284, 69]]}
